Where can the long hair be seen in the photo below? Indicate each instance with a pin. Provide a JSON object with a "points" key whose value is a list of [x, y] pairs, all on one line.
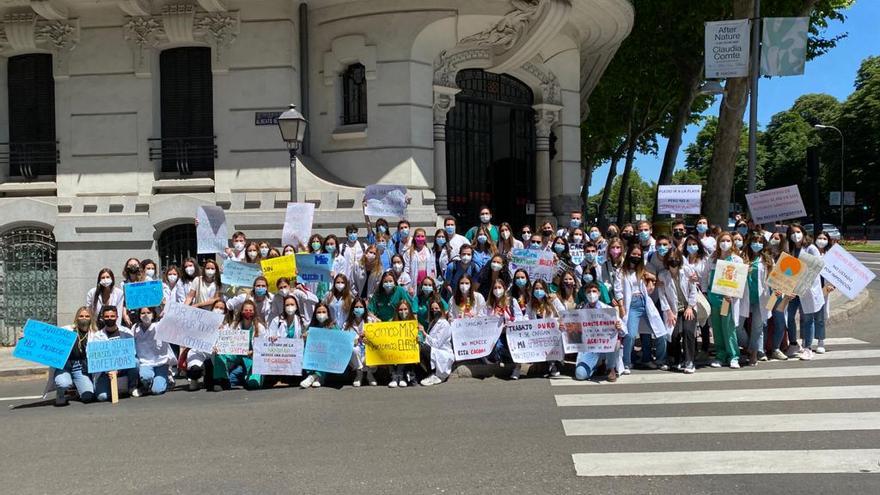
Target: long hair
{"points": [[486, 247], [345, 297], [495, 302], [328, 323], [403, 303], [100, 288], [350, 319], [92, 326], [543, 305], [257, 321], [216, 281], [184, 277], [460, 298], [765, 256], [733, 250], [522, 295], [639, 268]]}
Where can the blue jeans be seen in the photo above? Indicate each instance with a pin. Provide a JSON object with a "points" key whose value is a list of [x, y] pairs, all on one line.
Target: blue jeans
{"points": [[778, 328], [756, 337], [793, 308], [73, 375], [635, 313], [102, 382], [155, 378], [587, 361], [811, 324]]}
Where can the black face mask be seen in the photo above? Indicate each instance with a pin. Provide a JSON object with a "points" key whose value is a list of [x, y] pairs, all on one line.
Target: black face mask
{"points": [[626, 236], [546, 233], [674, 263], [611, 234], [635, 260], [678, 234]]}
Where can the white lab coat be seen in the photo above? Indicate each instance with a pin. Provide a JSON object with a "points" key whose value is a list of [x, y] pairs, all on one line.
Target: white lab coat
{"points": [[412, 265], [592, 358], [278, 327], [440, 339], [814, 300], [764, 294], [624, 290], [117, 299], [150, 351], [478, 309], [669, 294], [266, 307]]}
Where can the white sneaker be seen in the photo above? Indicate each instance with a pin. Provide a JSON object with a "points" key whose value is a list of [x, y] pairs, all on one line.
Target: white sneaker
{"points": [[689, 370], [626, 371], [307, 381], [371, 379], [793, 350], [431, 380], [358, 377], [821, 348], [734, 364], [393, 382], [401, 383], [806, 355], [514, 375], [136, 392], [715, 363], [317, 383]]}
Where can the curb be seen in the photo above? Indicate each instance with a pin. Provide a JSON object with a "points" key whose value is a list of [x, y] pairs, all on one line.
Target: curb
{"points": [[849, 309], [34, 370]]}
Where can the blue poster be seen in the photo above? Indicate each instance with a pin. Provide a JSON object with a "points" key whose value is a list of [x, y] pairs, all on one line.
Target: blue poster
{"points": [[238, 274], [45, 344], [328, 350], [313, 267], [143, 294], [108, 355]]}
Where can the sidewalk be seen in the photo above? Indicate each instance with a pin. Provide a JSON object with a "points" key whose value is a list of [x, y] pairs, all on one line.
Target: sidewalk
{"points": [[841, 310]]}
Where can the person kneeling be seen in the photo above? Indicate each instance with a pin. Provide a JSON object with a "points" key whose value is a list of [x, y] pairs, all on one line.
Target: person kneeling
{"points": [[587, 361]]}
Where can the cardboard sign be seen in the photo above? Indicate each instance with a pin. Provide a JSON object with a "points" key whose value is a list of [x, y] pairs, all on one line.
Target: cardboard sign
{"points": [[812, 267], [845, 272], [392, 342], [280, 267], [792, 275], [772, 205], [474, 338], [189, 327], [211, 232], [238, 274], [147, 294], [539, 264], [589, 330], [233, 342], [730, 278], [727, 49], [385, 201], [282, 357], [298, 224], [328, 350], [109, 355], [313, 268], [45, 344], [680, 200], [535, 341]]}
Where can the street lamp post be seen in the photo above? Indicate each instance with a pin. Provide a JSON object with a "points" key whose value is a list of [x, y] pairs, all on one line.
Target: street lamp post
{"points": [[842, 151], [292, 125]]}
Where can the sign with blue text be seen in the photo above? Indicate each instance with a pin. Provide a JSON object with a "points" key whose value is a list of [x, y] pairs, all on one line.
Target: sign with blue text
{"points": [[45, 344], [238, 274], [313, 268], [328, 350], [143, 294], [110, 355]]}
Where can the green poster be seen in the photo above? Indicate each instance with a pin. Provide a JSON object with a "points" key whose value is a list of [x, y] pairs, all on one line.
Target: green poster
{"points": [[784, 46]]}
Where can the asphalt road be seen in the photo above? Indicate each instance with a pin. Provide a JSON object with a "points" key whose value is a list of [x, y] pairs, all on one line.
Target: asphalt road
{"points": [[465, 436]]}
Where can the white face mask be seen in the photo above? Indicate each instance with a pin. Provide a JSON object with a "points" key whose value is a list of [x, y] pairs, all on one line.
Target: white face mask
{"points": [[592, 297], [466, 258], [264, 252], [106, 282], [370, 256], [505, 234], [147, 319], [496, 267], [219, 311], [738, 243], [577, 239], [464, 288], [172, 279], [321, 317], [252, 254], [398, 267], [210, 273], [498, 292], [339, 286], [485, 218], [774, 242], [190, 270], [797, 237], [725, 245], [290, 310], [284, 291], [239, 246], [821, 243], [150, 274]]}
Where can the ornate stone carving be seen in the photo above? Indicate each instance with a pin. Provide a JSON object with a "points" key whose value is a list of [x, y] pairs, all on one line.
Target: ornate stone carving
{"points": [[218, 29], [25, 32], [546, 118], [448, 64], [60, 35], [507, 32], [444, 100], [142, 31], [550, 88]]}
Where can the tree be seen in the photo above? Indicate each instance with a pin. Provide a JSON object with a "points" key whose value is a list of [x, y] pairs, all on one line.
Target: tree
{"points": [[860, 123], [642, 192]]}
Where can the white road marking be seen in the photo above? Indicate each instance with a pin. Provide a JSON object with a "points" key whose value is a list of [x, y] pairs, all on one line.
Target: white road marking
{"points": [[769, 423], [844, 341], [728, 462]]}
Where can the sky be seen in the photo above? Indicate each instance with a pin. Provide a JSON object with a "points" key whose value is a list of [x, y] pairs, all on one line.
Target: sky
{"points": [[832, 73]]}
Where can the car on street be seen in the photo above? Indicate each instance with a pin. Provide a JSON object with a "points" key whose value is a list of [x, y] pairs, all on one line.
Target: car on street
{"points": [[828, 228]]}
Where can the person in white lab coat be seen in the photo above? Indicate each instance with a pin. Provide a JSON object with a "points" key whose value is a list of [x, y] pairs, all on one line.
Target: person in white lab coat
{"points": [[260, 295], [812, 304], [632, 295], [753, 305], [438, 337], [354, 322], [111, 330], [588, 361], [155, 357], [105, 293]]}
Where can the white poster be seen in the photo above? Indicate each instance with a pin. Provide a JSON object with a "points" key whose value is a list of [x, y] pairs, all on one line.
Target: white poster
{"points": [[189, 326], [845, 272], [681, 200], [474, 338], [385, 201], [535, 341], [298, 224], [727, 49], [233, 341], [772, 205], [211, 232], [589, 330], [282, 357]]}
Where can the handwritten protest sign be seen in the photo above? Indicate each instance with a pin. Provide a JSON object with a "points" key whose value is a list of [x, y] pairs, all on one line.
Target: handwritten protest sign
{"points": [[233, 341], [534, 341], [313, 267], [589, 330], [328, 350], [540, 265], [45, 344], [812, 267], [211, 231], [474, 338], [238, 274], [110, 355], [772, 205], [730, 278], [683, 200], [298, 224], [280, 267], [392, 342], [845, 272], [282, 357], [147, 294], [189, 326], [786, 273], [385, 201]]}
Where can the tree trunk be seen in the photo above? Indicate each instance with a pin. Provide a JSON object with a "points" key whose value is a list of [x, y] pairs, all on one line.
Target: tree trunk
{"points": [[606, 193], [624, 179], [585, 188]]}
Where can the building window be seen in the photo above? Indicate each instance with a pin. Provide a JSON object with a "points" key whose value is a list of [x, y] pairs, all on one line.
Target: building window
{"points": [[177, 244], [32, 151], [187, 106], [354, 95], [28, 280]]}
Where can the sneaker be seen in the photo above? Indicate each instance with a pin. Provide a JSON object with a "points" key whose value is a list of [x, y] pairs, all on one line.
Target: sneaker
{"points": [[401, 383], [193, 385], [715, 363], [317, 382], [358, 377], [626, 371], [793, 351], [431, 380], [393, 382], [554, 370], [411, 378], [136, 392], [307, 381], [689, 369], [820, 349], [612, 375], [371, 379], [734, 364], [806, 355], [779, 355], [514, 375], [763, 358], [663, 367]]}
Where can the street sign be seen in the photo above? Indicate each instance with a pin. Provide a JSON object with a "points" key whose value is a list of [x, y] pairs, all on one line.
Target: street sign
{"points": [[849, 198], [266, 118]]}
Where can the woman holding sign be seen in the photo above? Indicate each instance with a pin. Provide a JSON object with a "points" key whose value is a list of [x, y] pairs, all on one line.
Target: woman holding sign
{"points": [[106, 293], [439, 339], [503, 305], [239, 369], [757, 293], [154, 356], [75, 371], [322, 318], [543, 305], [724, 326], [355, 321], [812, 304]]}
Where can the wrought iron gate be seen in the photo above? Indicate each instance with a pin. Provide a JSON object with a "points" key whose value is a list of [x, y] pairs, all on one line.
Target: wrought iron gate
{"points": [[177, 244], [490, 150], [28, 280]]}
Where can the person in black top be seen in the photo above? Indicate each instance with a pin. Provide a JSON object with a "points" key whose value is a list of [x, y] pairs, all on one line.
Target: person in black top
{"points": [[75, 371]]}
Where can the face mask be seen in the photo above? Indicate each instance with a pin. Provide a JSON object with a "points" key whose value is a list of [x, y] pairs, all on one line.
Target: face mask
{"points": [[404, 233], [702, 228], [288, 252], [505, 234], [738, 243], [82, 323], [260, 291], [526, 236], [440, 241], [133, 268], [679, 234], [150, 274], [106, 282], [420, 240], [403, 314], [644, 235], [370, 256], [594, 235], [464, 288], [635, 260], [539, 294], [316, 246], [577, 239], [742, 230], [264, 252], [611, 234], [321, 317], [674, 263], [521, 282], [662, 250], [435, 314], [290, 310], [239, 246], [339, 286], [388, 286], [797, 237], [559, 248], [398, 267], [485, 218], [450, 229], [482, 239], [774, 242], [693, 248], [427, 289], [546, 233], [172, 279], [615, 252], [247, 314], [330, 248], [352, 237], [592, 297], [725, 245], [821, 243], [757, 247], [219, 311], [466, 258], [382, 229], [146, 319], [358, 311], [587, 278], [252, 254], [626, 236], [600, 259], [190, 270], [285, 291], [535, 245], [574, 223], [498, 292], [210, 273]]}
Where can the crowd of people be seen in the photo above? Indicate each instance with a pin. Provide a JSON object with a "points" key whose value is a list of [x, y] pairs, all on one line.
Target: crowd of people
{"points": [[660, 285]]}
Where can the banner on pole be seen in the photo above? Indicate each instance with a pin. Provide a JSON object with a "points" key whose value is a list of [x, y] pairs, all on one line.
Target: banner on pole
{"points": [[784, 45], [474, 338], [727, 49]]}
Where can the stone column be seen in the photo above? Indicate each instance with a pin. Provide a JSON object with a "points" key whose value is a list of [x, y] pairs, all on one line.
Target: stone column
{"points": [[546, 116], [444, 100]]}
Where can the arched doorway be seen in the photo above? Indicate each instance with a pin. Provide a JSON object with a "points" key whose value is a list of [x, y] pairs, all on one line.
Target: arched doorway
{"points": [[28, 280], [177, 243], [490, 148]]}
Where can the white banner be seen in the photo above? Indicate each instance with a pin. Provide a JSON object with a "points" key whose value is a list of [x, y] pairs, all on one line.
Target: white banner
{"points": [[385, 201], [188, 326], [682, 200], [282, 357], [535, 341], [845, 272], [234, 342], [772, 205], [212, 235], [474, 338], [589, 330], [298, 224], [727, 49]]}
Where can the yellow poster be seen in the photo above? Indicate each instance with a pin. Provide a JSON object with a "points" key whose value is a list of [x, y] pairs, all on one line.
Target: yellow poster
{"points": [[280, 267], [393, 342], [730, 278]]}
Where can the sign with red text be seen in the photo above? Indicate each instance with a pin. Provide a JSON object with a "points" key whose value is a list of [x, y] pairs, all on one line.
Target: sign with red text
{"points": [[474, 338], [845, 272], [773, 205], [589, 330], [535, 341], [539, 264]]}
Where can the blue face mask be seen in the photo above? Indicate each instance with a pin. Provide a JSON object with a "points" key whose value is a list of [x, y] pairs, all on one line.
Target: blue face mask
{"points": [[521, 282], [441, 241], [590, 257], [535, 245], [600, 259], [359, 312], [574, 223], [702, 228], [382, 229], [587, 278], [559, 248], [450, 229], [757, 247], [644, 235], [330, 248], [482, 239], [539, 294], [693, 248], [427, 289], [380, 246], [352, 237], [260, 291], [742, 230], [594, 235], [662, 250], [404, 232], [388, 286]]}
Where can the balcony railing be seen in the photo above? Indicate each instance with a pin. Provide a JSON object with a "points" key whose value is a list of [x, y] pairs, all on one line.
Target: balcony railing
{"points": [[30, 159], [184, 155]]}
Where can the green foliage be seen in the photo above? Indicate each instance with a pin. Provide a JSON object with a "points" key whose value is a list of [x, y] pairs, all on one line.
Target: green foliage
{"points": [[643, 196], [860, 123]]}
